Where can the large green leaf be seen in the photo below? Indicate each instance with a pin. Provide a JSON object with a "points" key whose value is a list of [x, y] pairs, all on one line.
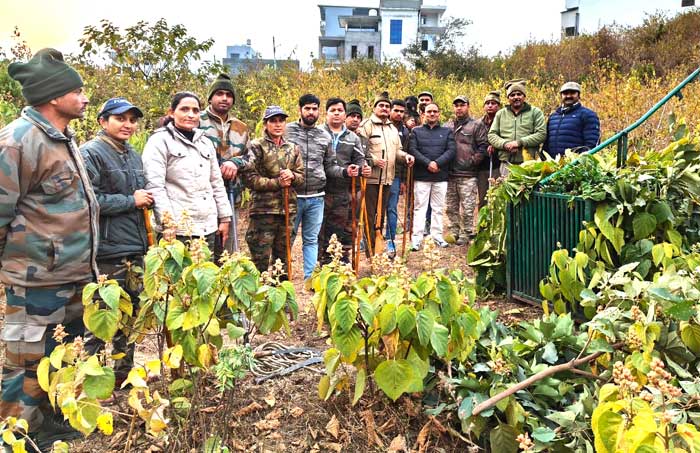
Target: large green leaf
{"points": [[110, 295], [394, 377], [439, 338], [348, 343], [449, 297], [406, 319], [606, 436], [205, 276], [690, 334], [345, 313], [424, 325], [277, 298], [387, 318], [103, 323], [643, 225], [100, 387], [503, 439], [612, 233]]}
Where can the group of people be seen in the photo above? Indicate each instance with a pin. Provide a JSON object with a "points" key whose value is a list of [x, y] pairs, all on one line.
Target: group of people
{"points": [[69, 214]]}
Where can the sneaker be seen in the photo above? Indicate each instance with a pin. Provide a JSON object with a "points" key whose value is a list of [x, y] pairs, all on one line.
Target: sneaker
{"points": [[390, 249], [460, 241], [441, 243], [415, 247]]}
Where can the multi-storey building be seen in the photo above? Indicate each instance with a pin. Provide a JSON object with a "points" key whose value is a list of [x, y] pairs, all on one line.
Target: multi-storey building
{"points": [[349, 32]]}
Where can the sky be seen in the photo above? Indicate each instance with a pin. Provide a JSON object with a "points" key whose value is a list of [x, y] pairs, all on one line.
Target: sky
{"points": [[497, 25]]}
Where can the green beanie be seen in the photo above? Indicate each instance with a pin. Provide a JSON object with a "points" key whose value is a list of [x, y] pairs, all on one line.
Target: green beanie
{"points": [[45, 77], [354, 107], [222, 82], [493, 96]]}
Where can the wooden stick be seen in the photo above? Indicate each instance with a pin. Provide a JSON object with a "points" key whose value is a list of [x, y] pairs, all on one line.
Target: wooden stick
{"points": [[354, 220], [149, 227], [361, 225], [379, 245], [287, 233], [568, 366], [409, 188]]}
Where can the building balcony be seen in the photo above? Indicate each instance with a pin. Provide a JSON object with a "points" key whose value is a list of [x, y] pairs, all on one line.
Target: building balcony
{"points": [[431, 30], [359, 22], [433, 7], [331, 41]]}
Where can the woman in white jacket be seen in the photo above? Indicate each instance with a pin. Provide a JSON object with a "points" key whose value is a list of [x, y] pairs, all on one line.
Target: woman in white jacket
{"points": [[183, 175]]}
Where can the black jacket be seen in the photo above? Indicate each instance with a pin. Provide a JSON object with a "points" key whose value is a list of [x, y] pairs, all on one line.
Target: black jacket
{"points": [[348, 150], [116, 173], [432, 144]]}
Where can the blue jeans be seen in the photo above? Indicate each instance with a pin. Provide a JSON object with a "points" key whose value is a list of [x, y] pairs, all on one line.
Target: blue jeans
{"points": [[392, 215], [310, 215]]}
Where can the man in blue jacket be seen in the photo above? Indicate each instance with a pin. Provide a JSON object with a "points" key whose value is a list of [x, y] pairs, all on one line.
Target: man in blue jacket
{"points": [[571, 126], [433, 147]]}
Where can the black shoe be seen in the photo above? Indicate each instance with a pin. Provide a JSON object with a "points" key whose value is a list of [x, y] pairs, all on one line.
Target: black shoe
{"points": [[54, 428]]}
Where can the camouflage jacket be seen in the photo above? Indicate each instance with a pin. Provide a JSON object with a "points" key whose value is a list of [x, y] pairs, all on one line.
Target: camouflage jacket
{"points": [[316, 148], [348, 150], [230, 138], [382, 140], [48, 210], [265, 160]]}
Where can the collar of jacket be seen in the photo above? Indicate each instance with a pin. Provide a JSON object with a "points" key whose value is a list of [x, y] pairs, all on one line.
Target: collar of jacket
{"points": [[330, 131], [525, 108], [375, 119], [210, 114], [118, 145], [487, 120], [267, 138], [198, 133], [33, 116], [459, 123], [427, 126], [563, 109]]}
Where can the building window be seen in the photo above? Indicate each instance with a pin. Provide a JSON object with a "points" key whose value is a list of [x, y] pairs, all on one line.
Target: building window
{"points": [[353, 52], [423, 20], [570, 31], [424, 45], [395, 31], [370, 52]]}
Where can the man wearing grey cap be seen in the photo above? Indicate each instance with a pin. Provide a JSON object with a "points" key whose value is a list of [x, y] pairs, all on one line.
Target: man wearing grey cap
{"points": [[116, 172], [571, 126], [48, 235]]}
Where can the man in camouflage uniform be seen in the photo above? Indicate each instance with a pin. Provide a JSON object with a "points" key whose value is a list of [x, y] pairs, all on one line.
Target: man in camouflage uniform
{"points": [[48, 234], [337, 217], [273, 164], [462, 185], [230, 137]]}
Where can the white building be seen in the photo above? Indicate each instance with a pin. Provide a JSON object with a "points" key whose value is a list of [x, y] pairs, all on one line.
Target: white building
{"points": [[349, 32]]}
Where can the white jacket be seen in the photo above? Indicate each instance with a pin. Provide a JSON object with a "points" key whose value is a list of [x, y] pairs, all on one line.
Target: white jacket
{"points": [[184, 175]]}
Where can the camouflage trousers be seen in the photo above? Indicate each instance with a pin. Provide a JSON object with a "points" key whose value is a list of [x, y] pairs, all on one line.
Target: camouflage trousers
{"points": [[266, 239], [30, 318], [121, 270], [337, 219], [462, 200]]}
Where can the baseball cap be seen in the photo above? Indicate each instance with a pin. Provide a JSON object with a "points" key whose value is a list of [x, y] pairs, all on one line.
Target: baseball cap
{"points": [[570, 86], [117, 106], [461, 98], [273, 110]]}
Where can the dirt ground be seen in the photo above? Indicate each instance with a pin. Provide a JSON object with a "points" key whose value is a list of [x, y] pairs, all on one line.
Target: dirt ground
{"points": [[285, 414]]}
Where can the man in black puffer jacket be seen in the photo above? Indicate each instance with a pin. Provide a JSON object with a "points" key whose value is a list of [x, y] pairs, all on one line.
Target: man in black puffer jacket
{"points": [[433, 146], [117, 177]]}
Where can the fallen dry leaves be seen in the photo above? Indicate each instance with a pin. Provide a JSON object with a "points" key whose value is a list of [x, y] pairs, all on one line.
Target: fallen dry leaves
{"points": [[249, 409], [398, 444], [333, 427]]}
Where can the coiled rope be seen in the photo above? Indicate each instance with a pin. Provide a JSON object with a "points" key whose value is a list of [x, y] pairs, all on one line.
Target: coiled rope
{"points": [[273, 359]]}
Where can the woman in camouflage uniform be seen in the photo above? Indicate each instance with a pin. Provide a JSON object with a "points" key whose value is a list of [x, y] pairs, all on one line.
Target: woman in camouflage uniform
{"points": [[273, 164]]}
